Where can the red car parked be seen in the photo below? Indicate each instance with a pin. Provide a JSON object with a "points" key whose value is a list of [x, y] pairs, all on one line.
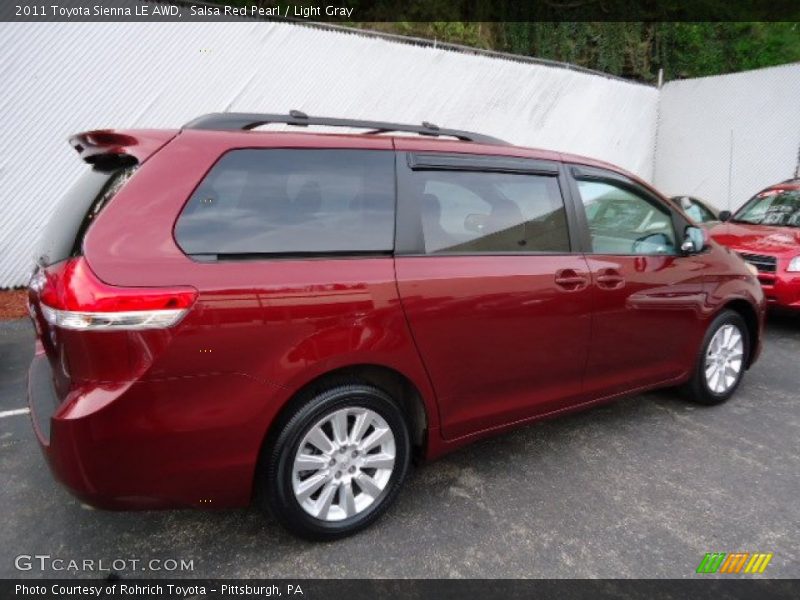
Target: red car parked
{"points": [[225, 314], [766, 233]]}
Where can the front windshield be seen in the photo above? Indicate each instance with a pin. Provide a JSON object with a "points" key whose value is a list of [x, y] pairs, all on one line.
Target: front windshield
{"points": [[780, 208]]}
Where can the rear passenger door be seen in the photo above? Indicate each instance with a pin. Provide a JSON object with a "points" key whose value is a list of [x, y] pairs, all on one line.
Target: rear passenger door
{"points": [[496, 297]]}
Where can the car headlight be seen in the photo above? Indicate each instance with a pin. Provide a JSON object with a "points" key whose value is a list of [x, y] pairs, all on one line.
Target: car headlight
{"points": [[752, 269], [794, 265]]}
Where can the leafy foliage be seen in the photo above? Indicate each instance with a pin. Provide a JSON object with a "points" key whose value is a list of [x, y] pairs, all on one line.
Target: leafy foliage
{"points": [[633, 50]]}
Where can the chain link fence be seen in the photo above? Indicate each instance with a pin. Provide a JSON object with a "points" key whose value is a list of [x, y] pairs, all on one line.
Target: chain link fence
{"points": [[724, 138]]}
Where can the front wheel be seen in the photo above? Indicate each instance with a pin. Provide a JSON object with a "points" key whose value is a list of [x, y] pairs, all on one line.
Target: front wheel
{"points": [[722, 360], [338, 463]]}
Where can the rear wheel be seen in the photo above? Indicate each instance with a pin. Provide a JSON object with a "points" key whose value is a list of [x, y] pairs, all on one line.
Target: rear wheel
{"points": [[722, 360], [338, 462]]}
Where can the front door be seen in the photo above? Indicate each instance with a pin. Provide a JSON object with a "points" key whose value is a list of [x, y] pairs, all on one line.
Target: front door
{"points": [[647, 295]]}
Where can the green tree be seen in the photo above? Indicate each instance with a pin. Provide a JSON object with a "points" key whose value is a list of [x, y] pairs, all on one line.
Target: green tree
{"points": [[635, 50]]}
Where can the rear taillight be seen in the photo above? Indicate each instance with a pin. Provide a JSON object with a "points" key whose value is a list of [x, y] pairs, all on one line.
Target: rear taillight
{"points": [[71, 296]]}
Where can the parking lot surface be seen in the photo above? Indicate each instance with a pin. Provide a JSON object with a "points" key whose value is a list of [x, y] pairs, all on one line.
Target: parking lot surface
{"points": [[643, 487]]}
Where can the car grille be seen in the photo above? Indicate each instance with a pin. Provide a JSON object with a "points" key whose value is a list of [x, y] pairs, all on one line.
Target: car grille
{"points": [[762, 262]]}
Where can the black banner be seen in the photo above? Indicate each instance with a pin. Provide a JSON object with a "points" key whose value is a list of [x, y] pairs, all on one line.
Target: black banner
{"points": [[433, 589], [350, 11]]}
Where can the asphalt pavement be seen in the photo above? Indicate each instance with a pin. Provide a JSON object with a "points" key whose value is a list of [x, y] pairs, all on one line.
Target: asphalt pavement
{"points": [[643, 487]]}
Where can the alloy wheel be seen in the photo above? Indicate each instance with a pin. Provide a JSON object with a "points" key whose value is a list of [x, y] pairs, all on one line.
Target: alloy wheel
{"points": [[724, 359], [343, 463]]}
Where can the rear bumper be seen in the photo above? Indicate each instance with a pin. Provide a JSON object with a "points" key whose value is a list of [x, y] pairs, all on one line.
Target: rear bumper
{"points": [[42, 399], [61, 457], [781, 290], [183, 442]]}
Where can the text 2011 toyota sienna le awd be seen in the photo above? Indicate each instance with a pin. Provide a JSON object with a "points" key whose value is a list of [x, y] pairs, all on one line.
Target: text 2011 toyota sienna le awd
{"points": [[225, 314]]}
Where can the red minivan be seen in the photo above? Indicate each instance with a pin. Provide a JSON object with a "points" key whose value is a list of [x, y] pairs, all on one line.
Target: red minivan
{"points": [[225, 315]]}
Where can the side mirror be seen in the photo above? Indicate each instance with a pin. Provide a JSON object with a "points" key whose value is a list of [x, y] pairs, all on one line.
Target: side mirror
{"points": [[725, 215], [475, 223], [694, 241]]}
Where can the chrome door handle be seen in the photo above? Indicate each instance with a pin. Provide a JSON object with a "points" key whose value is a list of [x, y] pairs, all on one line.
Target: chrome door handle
{"points": [[570, 280], [610, 279]]}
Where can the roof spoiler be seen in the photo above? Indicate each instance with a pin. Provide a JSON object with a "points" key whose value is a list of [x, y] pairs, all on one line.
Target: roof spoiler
{"points": [[107, 149]]}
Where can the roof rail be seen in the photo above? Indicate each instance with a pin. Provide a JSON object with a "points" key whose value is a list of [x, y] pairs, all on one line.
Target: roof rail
{"points": [[235, 121]]}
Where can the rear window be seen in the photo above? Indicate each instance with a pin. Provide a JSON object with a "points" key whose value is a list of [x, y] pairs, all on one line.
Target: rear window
{"points": [[256, 202], [63, 235]]}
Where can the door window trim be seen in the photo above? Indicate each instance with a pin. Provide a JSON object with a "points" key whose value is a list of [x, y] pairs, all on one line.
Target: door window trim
{"points": [[447, 161], [409, 240]]}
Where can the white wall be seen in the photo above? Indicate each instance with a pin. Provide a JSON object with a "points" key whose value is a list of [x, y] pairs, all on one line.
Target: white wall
{"points": [[724, 138], [58, 79]]}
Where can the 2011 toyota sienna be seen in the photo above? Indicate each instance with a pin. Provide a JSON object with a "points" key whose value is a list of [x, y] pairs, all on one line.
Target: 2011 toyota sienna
{"points": [[225, 314]]}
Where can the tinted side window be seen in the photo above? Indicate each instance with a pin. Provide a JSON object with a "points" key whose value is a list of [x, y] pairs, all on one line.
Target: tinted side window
{"points": [[292, 201], [63, 235], [622, 222], [468, 212]]}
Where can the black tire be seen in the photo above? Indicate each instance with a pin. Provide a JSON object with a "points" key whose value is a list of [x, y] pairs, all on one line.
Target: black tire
{"points": [[275, 474], [697, 389]]}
